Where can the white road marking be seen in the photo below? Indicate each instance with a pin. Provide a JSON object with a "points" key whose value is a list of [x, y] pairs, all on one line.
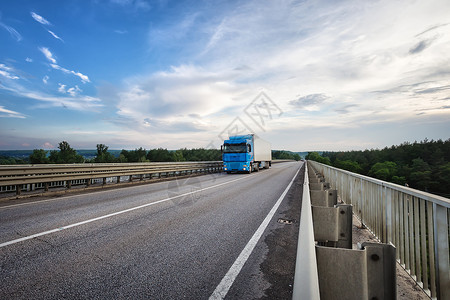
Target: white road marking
{"points": [[111, 215], [227, 281]]}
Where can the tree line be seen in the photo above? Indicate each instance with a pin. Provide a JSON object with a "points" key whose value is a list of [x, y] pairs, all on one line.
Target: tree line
{"points": [[423, 165], [283, 154], [68, 155]]}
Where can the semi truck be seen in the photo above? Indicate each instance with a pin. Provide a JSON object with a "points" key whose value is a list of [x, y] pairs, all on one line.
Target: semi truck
{"points": [[246, 153]]}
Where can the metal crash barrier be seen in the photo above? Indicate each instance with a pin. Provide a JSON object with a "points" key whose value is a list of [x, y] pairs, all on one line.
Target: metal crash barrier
{"points": [[20, 178], [327, 267], [415, 222]]}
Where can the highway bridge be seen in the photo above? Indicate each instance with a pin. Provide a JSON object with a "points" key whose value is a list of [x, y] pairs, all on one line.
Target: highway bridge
{"points": [[215, 236]]}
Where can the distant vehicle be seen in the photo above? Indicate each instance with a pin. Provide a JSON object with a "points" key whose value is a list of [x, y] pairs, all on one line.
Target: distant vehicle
{"points": [[246, 153]]}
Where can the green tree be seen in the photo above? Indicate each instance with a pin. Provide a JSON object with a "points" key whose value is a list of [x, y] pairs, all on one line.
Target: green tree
{"points": [[317, 157], [201, 154], [384, 170], [39, 156], [122, 158], [103, 156], [283, 154], [296, 156], [160, 155], [399, 180], [7, 160], [348, 165], [422, 165], [137, 155], [420, 176], [178, 155], [65, 155]]}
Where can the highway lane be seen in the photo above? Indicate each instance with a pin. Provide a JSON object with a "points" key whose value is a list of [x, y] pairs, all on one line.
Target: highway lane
{"points": [[167, 240]]}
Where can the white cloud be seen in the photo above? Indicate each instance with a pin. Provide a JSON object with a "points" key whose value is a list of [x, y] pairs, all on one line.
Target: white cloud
{"points": [[321, 62], [345, 65], [311, 102], [45, 79], [40, 19], [55, 36], [62, 88], [48, 54], [347, 50], [84, 78], [12, 32], [43, 21], [6, 113], [28, 60], [76, 102], [48, 145], [177, 100], [6, 72], [73, 91]]}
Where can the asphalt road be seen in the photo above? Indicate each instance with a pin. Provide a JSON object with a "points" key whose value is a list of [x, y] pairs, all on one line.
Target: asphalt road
{"points": [[167, 240]]}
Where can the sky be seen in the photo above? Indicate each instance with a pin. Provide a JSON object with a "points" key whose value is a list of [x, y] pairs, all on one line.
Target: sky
{"points": [[304, 75]]}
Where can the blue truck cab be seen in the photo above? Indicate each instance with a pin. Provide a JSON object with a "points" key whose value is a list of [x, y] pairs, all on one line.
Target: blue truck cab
{"points": [[246, 153]]}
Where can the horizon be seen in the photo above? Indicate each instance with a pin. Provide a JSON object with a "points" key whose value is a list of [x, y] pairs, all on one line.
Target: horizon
{"points": [[171, 74], [425, 140]]}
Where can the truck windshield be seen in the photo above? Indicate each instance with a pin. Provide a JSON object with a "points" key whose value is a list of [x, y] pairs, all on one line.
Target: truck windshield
{"points": [[235, 148]]}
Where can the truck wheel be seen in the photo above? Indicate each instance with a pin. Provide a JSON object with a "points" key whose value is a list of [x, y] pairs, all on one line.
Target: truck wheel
{"points": [[257, 168], [250, 169]]}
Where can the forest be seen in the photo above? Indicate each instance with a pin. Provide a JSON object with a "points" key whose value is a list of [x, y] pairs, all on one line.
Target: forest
{"points": [[423, 165]]}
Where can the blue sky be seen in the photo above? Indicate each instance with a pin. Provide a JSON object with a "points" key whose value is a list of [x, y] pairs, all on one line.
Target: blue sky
{"points": [[305, 75]]}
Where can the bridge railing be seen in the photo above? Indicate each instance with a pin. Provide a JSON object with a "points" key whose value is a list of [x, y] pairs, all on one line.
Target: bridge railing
{"points": [[416, 222], [26, 177]]}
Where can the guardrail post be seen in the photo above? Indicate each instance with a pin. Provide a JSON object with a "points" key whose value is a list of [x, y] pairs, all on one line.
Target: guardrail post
{"points": [[69, 184], [326, 198], [345, 222], [333, 225], [369, 272], [18, 189], [321, 186]]}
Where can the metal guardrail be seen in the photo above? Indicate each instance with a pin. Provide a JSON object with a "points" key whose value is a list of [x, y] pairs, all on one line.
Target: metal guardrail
{"points": [[306, 280], [20, 177], [417, 223]]}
